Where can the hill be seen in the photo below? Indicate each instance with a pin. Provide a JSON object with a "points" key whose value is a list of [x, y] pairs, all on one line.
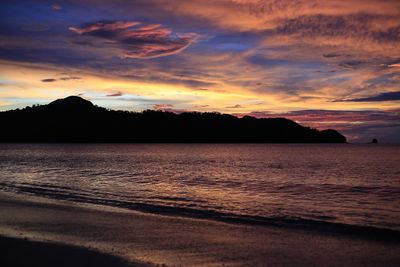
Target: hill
{"points": [[74, 119]]}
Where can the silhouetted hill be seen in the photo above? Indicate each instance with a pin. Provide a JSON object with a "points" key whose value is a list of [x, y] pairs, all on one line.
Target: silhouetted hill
{"points": [[71, 103], [74, 119]]}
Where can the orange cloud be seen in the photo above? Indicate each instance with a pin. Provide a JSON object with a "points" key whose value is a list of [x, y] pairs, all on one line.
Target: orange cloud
{"points": [[368, 24]]}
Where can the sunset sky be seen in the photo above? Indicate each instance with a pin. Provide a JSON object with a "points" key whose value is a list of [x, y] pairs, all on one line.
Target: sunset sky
{"points": [[325, 64]]}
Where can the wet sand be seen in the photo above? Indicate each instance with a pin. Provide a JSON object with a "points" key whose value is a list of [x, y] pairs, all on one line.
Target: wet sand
{"points": [[176, 241]]}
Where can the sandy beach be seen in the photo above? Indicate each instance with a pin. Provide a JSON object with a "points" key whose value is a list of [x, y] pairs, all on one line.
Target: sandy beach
{"points": [[142, 238], [22, 252]]}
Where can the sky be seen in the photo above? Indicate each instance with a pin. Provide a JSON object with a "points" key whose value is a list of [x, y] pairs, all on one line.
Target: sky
{"points": [[325, 64]]}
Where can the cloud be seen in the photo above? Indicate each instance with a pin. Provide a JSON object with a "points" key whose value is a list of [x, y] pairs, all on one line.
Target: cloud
{"points": [[330, 55], [322, 119], [49, 80], [67, 78], [328, 114], [387, 96], [395, 65], [115, 94], [56, 7], [103, 27], [235, 106], [168, 108], [360, 126], [163, 106], [137, 40], [369, 32]]}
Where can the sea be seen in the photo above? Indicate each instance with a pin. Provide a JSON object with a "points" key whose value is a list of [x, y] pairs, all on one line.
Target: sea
{"points": [[335, 185]]}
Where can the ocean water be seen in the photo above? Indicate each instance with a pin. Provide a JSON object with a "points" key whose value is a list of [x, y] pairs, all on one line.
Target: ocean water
{"points": [[335, 184]]}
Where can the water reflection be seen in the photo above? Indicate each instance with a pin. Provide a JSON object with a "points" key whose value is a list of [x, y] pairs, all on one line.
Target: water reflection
{"points": [[336, 183]]}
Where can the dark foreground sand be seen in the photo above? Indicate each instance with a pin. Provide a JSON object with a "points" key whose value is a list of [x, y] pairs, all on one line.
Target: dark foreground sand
{"points": [[22, 252], [174, 241]]}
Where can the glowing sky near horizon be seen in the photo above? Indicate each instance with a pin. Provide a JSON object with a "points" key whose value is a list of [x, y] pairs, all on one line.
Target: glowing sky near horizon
{"points": [[325, 64]]}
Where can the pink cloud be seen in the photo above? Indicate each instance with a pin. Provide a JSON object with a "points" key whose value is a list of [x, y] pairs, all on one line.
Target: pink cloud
{"points": [[105, 26], [162, 106], [147, 41]]}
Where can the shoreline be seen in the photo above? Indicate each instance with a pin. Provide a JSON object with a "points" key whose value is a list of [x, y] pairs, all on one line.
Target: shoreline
{"points": [[171, 240], [324, 227]]}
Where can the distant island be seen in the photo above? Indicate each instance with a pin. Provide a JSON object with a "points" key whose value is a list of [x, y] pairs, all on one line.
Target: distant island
{"points": [[74, 119]]}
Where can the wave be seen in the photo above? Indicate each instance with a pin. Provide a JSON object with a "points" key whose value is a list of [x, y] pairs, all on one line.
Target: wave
{"points": [[368, 232]]}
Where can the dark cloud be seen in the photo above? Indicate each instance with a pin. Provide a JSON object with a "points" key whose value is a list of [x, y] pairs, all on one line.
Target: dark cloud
{"points": [[352, 64], [331, 55], [115, 94], [264, 61], [391, 35], [49, 80], [387, 96], [137, 40], [357, 26], [69, 78], [53, 55], [61, 79]]}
